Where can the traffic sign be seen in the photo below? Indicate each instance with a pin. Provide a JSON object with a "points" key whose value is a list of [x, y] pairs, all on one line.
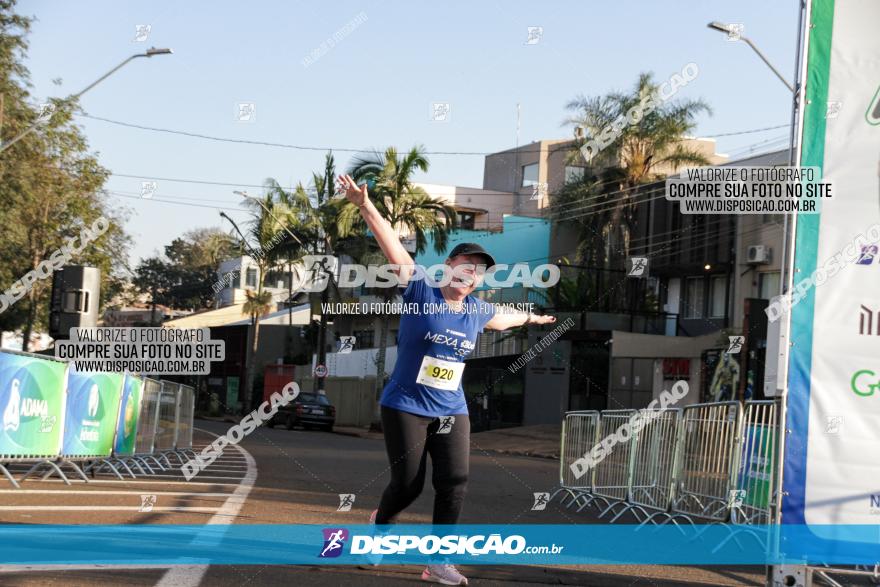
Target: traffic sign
{"points": [[321, 371]]}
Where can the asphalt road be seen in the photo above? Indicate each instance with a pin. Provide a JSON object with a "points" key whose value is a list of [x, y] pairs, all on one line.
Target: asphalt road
{"points": [[294, 477]]}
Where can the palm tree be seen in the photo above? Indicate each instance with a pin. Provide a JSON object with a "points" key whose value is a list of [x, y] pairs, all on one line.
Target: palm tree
{"points": [[263, 235], [309, 220], [639, 155], [258, 304], [406, 207]]}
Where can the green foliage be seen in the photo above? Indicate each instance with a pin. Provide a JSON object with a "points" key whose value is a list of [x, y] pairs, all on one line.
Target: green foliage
{"points": [[642, 153], [407, 207], [50, 186], [184, 277]]}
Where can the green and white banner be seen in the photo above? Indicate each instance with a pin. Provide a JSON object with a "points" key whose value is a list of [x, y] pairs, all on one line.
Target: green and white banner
{"points": [[32, 404], [831, 469], [129, 411], [92, 410]]}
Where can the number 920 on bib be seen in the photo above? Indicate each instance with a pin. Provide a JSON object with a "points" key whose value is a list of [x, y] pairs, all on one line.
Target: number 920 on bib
{"points": [[440, 374]]}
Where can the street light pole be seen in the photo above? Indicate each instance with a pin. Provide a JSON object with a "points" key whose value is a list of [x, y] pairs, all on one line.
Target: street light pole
{"points": [[787, 261], [244, 194], [795, 92], [149, 53], [725, 28], [250, 355], [318, 383]]}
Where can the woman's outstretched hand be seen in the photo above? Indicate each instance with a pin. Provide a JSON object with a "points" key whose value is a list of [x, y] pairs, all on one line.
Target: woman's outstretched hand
{"points": [[536, 319], [354, 193]]}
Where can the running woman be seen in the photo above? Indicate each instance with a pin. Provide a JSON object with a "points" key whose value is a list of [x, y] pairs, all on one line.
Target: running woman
{"points": [[424, 390]]}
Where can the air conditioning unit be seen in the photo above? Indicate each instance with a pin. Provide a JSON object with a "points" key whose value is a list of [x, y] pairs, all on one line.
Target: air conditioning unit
{"points": [[758, 255]]}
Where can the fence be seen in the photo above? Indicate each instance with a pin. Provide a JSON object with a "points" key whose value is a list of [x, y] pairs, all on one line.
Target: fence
{"points": [[54, 417], [612, 475], [714, 462], [579, 429]]}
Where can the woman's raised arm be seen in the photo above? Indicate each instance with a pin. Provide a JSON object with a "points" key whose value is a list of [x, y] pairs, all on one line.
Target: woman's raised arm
{"points": [[385, 235]]}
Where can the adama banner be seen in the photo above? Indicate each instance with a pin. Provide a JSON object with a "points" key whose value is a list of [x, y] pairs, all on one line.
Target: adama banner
{"points": [[32, 404]]}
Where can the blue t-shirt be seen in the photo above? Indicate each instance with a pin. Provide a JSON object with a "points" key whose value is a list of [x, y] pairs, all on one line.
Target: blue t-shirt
{"points": [[429, 328]]}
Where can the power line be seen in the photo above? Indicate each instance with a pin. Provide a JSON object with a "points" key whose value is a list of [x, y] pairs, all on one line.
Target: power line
{"points": [[344, 149]]}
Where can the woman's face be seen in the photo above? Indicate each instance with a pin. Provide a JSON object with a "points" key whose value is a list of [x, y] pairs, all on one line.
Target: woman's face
{"points": [[467, 272]]}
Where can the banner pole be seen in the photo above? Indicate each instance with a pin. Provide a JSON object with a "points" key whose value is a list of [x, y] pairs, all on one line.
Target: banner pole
{"points": [[776, 573]]}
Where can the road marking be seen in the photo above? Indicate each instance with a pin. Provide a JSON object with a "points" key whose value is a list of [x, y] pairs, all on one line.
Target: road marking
{"points": [[101, 508], [209, 469], [140, 481], [101, 492], [192, 575], [177, 576], [90, 567]]}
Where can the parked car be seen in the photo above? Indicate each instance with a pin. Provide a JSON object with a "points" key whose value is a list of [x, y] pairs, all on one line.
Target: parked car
{"points": [[309, 410]]}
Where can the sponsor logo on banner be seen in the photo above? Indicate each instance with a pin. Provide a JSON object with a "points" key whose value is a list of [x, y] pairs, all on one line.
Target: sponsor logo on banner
{"points": [[11, 417], [864, 383], [869, 321], [334, 540], [875, 504], [94, 400]]}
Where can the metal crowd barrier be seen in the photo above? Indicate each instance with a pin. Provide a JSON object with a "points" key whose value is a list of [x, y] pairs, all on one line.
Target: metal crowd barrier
{"points": [[756, 479], [32, 420], [53, 417], [166, 423], [186, 409], [148, 422], [653, 479], [714, 462], [708, 460], [612, 475], [579, 429]]}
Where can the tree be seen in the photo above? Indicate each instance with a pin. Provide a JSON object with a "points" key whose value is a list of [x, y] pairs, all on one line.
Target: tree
{"points": [[641, 152], [313, 219], [50, 186], [407, 207], [258, 304], [184, 277]]}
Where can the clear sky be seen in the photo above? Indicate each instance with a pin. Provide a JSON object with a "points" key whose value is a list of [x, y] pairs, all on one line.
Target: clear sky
{"points": [[375, 87]]}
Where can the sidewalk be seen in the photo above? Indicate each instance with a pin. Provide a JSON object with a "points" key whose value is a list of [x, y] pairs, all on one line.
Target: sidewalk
{"points": [[533, 441]]}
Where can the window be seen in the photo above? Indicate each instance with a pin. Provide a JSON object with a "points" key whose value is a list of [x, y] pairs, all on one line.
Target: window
{"points": [[466, 220], [312, 398], [277, 279], [717, 296], [694, 297], [768, 285], [573, 173], [363, 339], [250, 279], [530, 175]]}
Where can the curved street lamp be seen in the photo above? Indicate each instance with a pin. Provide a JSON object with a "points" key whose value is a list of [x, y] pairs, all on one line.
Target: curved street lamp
{"points": [[152, 51]]}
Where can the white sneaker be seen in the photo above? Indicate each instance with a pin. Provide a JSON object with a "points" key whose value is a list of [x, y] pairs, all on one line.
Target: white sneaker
{"points": [[445, 574], [375, 559]]}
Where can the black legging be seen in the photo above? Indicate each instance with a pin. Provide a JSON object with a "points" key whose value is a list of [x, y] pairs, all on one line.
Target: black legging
{"points": [[409, 439]]}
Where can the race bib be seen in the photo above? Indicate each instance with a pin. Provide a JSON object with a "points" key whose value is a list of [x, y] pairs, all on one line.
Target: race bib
{"points": [[440, 374]]}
